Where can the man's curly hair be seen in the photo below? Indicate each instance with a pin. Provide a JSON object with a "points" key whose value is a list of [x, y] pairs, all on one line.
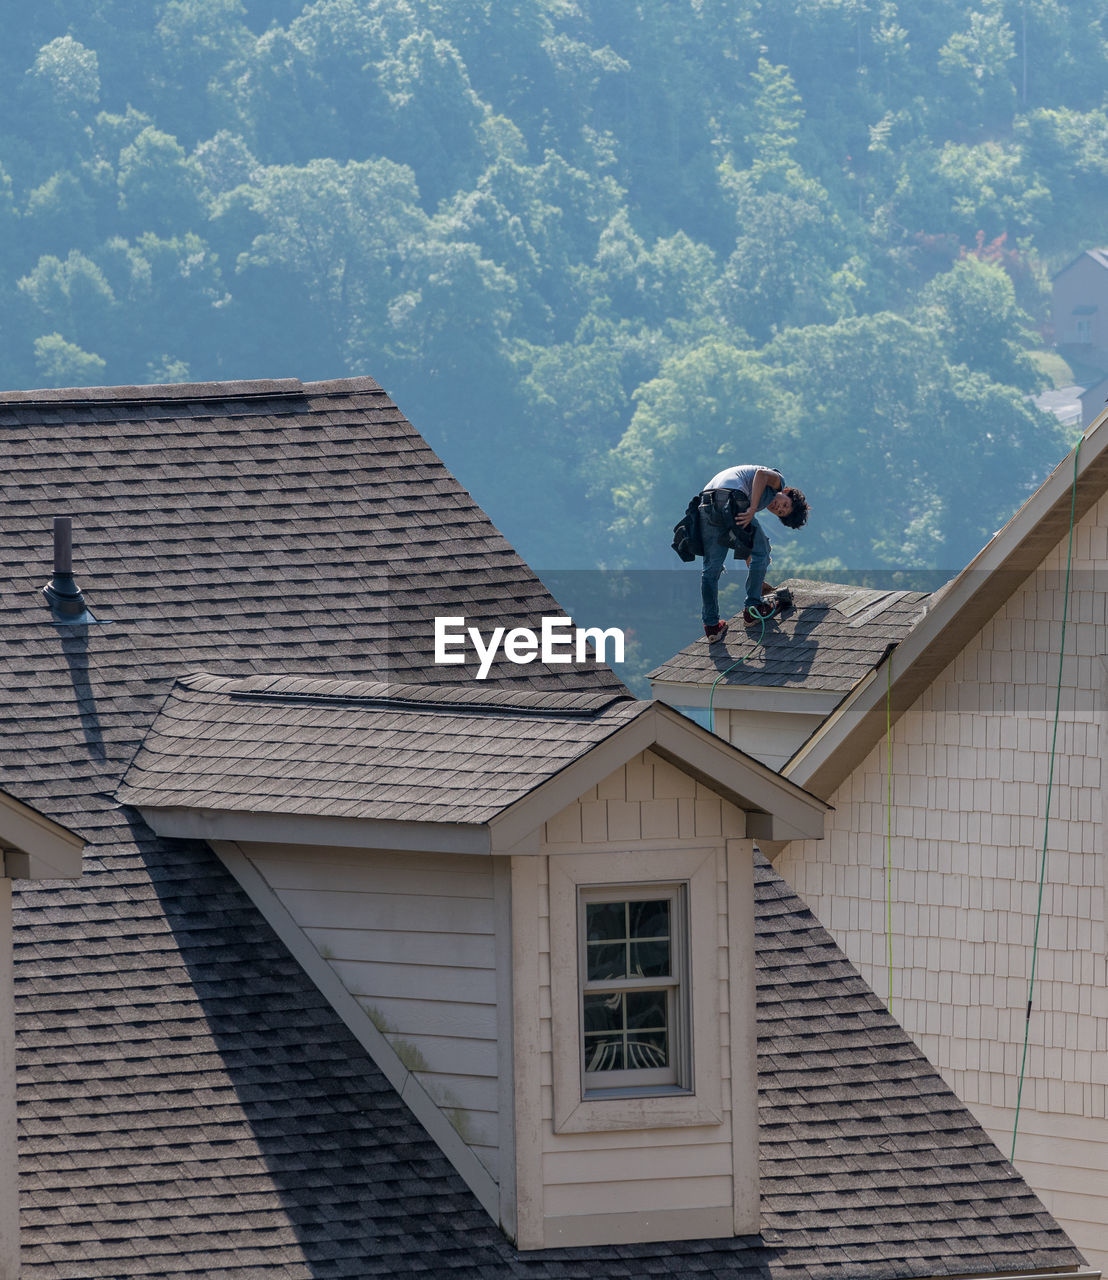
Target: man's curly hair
{"points": [[798, 516]]}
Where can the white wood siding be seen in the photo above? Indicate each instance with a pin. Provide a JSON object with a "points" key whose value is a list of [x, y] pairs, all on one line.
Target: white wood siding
{"points": [[647, 1183], [769, 736], [412, 937], [970, 769]]}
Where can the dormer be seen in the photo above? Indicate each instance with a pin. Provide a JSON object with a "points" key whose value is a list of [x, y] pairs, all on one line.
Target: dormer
{"points": [[535, 911], [767, 690]]}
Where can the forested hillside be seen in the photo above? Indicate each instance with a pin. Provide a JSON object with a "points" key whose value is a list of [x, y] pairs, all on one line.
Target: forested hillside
{"points": [[596, 249]]}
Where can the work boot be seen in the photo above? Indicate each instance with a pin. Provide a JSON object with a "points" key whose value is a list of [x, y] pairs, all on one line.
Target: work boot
{"points": [[769, 608], [716, 633]]}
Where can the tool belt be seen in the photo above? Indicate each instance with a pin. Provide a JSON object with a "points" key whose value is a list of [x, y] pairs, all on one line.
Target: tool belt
{"points": [[720, 507]]}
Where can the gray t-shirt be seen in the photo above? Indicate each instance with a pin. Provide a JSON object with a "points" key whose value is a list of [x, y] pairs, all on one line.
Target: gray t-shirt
{"points": [[743, 478]]}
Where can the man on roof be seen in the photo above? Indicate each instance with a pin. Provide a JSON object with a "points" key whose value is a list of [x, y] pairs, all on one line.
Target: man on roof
{"points": [[729, 503]]}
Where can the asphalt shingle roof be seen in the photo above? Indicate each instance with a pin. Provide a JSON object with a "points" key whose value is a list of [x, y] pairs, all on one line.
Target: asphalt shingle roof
{"points": [[356, 750], [190, 1105], [832, 637]]}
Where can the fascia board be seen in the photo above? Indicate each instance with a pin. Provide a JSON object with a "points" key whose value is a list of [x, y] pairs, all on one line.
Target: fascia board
{"points": [[343, 833], [1059, 1273], [745, 697], [726, 770], [35, 847], [957, 614]]}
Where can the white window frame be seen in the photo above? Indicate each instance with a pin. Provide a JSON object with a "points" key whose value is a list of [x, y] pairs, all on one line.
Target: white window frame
{"points": [[696, 1098], [678, 1072]]}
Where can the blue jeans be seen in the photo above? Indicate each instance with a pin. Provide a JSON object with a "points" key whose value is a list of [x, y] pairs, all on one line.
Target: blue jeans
{"points": [[714, 531]]}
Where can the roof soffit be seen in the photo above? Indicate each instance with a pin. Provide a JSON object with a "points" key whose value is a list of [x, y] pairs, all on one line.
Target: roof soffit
{"points": [[34, 847]]}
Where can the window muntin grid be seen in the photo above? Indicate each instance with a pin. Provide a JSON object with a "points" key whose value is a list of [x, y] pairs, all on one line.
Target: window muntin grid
{"points": [[631, 1000]]}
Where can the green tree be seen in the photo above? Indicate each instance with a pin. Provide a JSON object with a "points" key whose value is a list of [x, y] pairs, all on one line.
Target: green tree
{"points": [[710, 407], [918, 442], [159, 186], [196, 39], [973, 308], [333, 240], [59, 212], [64, 364], [975, 65], [314, 89], [72, 295], [68, 75], [790, 264], [1065, 152], [437, 115], [173, 303], [59, 96]]}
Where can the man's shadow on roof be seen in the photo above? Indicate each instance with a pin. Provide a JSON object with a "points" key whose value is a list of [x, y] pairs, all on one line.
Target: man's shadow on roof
{"points": [[791, 651]]}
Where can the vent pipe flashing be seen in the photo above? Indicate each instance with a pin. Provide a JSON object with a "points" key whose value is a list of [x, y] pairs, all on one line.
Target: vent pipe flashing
{"points": [[62, 592]]}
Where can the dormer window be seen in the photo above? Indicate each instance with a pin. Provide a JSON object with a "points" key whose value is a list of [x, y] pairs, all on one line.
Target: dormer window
{"points": [[633, 1023], [634, 989]]}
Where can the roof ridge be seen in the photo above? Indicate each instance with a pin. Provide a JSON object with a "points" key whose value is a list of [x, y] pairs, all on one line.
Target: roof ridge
{"points": [[243, 389], [470, 700]]}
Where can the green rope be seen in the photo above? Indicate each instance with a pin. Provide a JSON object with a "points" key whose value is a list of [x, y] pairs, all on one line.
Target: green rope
{"points": [[712, 693], [889, 839], [1049, 789]]}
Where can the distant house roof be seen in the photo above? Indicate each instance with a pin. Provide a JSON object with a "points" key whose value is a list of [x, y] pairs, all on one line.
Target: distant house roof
{"points": [[190, 1104], [1064, 402], [832, 637], [1099, 256]]}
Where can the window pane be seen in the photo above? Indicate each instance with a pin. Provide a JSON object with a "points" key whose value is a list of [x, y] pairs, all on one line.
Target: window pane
{"points": [[647, 1050], [604, 1013], [650, 919], [604, 1053], [650, 959], [605, 921], [646, 1010], [607, 960], [626, 1031]]}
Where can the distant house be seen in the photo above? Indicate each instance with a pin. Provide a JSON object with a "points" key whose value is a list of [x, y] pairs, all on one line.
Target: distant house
{"points": [[378, 969], [1068, 404], [1080, 308], [1093, 400], [960, 687]]}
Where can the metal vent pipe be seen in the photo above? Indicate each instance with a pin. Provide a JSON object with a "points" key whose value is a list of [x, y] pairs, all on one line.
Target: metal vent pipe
{"points": [[62, 593]]}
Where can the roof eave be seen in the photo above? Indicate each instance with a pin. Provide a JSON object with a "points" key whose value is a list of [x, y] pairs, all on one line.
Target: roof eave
{"points": [[183, 823], [748, 697]]}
